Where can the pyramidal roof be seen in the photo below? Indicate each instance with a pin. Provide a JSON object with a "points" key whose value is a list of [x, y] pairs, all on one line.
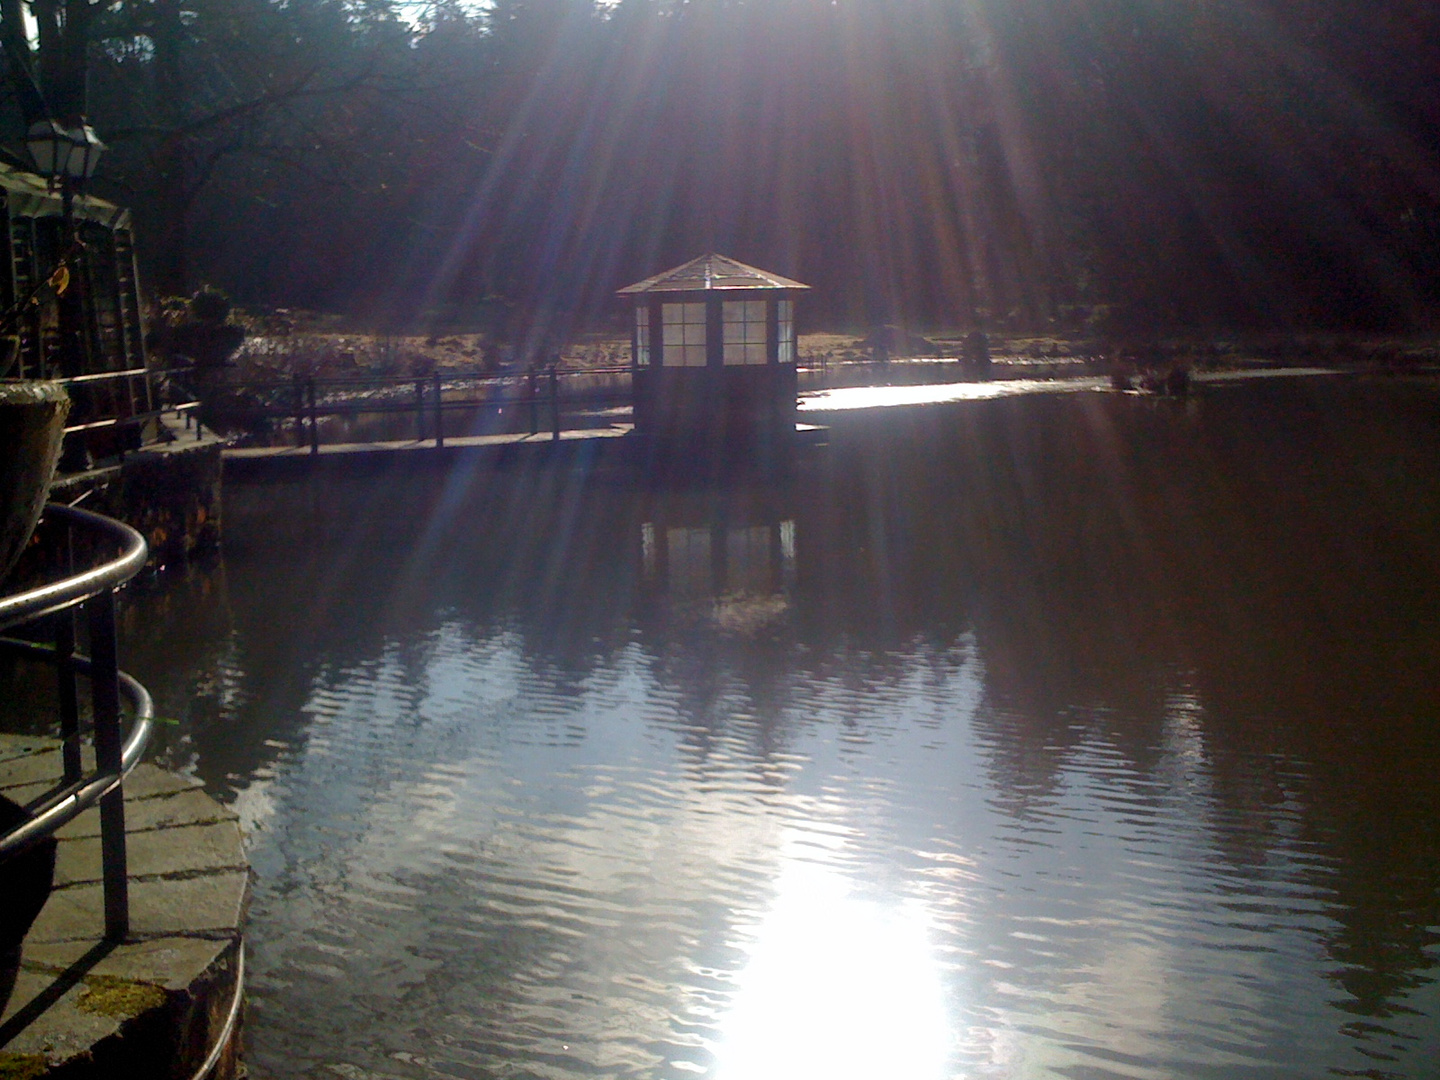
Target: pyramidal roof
{"points": [[711, 272]]}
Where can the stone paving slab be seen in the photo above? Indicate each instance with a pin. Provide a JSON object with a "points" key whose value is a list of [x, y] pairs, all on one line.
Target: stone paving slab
{"points": [[159, 811], [24, 779], [179, 849], [21, 746], [24, 794], [211, 904], [66, 1031], [98, 1024], [42, 766], [31, 768], [148, 782], [171, 963], [152, 1005]]}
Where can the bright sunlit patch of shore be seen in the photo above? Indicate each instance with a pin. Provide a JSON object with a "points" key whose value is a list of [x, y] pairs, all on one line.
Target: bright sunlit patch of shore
{"points": [[881, 397]]}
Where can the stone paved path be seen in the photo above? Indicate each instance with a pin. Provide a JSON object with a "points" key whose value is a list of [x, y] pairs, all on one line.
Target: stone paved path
{"points": [[154, 1004]]}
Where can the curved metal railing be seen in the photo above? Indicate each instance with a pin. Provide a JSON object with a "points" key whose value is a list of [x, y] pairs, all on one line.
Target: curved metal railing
{"points": [[43, 599], [91, 591]]}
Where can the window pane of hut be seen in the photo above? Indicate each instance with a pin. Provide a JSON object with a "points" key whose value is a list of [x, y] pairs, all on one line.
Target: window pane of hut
{"points": [[744, 328], [785, 331], [642, 336], [741, 353], [683, 334]]}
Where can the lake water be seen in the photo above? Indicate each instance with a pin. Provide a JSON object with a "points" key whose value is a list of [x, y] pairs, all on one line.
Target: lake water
{"points": [[1062, 735]]}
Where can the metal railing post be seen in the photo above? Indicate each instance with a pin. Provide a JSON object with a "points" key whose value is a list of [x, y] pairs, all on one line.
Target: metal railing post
{"points": [[92, 591], [105, 701], [439, 415], [314, 419], [299, 411], [65, 689], [419, 410], [555, 403], [533, 386]]}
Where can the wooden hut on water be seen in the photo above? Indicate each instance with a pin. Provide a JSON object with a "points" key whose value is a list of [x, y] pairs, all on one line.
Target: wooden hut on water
{"points": [[713, 352]]}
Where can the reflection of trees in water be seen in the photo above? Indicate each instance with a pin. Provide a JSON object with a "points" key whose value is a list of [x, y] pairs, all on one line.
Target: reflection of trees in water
{"points": [[1271, 548], [331, 574], [1268, 549], [1359, 740], [178, 639]]}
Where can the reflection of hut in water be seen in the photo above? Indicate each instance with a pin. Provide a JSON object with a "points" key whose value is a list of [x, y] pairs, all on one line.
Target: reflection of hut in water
{"points": [[701, 549], [713, 351]]}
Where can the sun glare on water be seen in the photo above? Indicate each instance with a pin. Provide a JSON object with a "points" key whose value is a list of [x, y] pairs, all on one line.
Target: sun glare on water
{"points": [[836, 987]]}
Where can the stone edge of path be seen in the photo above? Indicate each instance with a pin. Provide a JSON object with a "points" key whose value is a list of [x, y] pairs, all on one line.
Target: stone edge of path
{"points": [[155, 1004]]}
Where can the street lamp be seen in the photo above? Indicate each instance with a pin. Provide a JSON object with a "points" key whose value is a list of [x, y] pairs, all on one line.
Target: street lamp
{"points": [[67, 157]]}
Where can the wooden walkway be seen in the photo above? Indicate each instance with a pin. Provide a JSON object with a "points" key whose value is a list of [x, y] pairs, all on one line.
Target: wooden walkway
{"points": [[401, 446], [498, 448], [614, 443]]}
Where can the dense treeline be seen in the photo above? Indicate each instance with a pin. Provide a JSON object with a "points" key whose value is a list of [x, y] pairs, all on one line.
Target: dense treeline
{"points": [[1188, 162]]}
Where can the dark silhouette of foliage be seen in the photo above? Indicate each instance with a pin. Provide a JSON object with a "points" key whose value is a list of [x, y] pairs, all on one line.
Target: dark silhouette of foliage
{"points": [[1142, 163]]}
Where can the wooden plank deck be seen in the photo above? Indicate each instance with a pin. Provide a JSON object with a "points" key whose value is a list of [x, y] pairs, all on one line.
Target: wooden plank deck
{"points": [[406, 446]]}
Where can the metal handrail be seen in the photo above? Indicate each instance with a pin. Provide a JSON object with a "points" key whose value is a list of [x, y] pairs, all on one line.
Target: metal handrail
{"points": [[93, 591], [448, 376], [51, 597], [103, 376], [308, 404], [57, 808], [134, 419], [232, 1016]]}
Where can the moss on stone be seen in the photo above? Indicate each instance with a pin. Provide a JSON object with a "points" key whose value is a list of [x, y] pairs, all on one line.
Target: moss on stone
{"points": [[119, 998], [22, 1066]]}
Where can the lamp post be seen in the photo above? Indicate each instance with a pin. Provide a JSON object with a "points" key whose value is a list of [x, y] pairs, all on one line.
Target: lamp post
{"points": [[66, 157]]}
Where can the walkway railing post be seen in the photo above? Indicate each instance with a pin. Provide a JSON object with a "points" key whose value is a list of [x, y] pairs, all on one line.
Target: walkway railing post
{"points": [[314, 420], [299, 411], [419, 410], [532, 382], [439, 415], [105, 700], [555, 403]]}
